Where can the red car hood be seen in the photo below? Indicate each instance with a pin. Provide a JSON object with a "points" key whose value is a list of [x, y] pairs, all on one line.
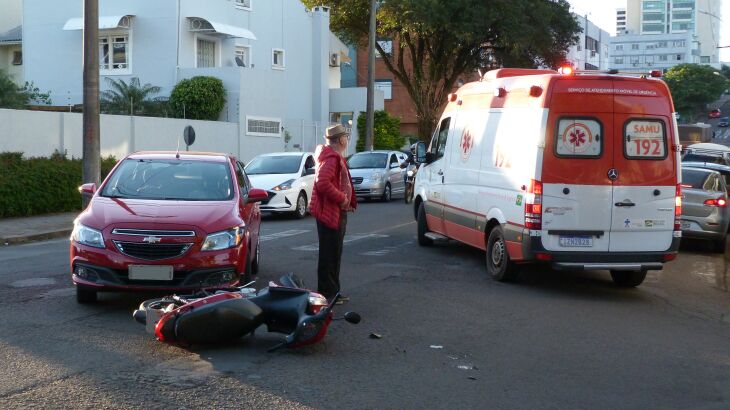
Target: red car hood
{"points": [[206, 216]]}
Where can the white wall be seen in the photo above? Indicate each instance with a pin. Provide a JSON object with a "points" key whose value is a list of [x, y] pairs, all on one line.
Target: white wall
{"points": [[39, 134]]}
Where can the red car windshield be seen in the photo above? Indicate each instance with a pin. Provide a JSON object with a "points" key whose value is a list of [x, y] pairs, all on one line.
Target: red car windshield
{"points": [[174, 180]]}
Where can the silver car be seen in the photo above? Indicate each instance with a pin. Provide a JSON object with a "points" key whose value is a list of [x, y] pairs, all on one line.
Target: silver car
{"points": [[705, 213], [378, 174]]}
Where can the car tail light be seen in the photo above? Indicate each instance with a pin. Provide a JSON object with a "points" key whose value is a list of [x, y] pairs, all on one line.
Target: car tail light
{"points": [[670, 256], [719, 202], [545, 257], [533, 206], [678, 208], [655, 73]]}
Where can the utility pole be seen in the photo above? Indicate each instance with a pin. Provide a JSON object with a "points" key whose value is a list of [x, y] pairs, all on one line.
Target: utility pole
{"points": [[91, 160], [370, 124]]}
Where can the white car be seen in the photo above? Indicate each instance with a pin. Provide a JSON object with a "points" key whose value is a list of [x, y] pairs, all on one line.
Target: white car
{"points": [[288, 177]]}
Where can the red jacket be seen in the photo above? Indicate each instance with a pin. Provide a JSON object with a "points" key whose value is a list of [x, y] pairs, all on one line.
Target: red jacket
{"points": [[327, 194]]}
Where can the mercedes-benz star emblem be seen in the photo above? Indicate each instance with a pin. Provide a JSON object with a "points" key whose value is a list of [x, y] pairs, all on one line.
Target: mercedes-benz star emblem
{"points": [[152, 239], [612, 174]]}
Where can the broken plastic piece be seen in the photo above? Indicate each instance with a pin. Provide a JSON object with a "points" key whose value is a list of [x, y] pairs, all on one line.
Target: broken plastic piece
{"points": [[376, 336]]}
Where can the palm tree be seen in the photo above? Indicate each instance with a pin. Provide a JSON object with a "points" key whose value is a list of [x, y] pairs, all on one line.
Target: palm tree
{"points": [[128, 98]]}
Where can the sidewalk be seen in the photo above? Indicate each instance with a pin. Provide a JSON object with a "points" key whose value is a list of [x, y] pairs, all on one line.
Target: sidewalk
{"points": [[36, 228]]}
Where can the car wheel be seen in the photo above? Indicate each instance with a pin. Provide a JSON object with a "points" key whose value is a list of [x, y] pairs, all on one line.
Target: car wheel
{"points": [[85, 295], [628, 279], [718, 246], [247, 275], [386, 193], [257, 258], [499, 265], [301, 209], [423, 227]]}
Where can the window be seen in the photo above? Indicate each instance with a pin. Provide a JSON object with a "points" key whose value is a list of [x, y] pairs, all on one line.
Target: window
{"points": [[438, 144], [619, 47], [712, 183], [663, 57], [393, 160], [243, 4], [242, 179], [634, 46], [661, 44], [705, 59], [243, 56], [263, 127], [679, 43], [634, 60], [18, 58], [579, 137], [277, 59], [679, 57], [387, 45], [386, 86], [645, 139], [618, 60], [114, 53], [205, 53]]}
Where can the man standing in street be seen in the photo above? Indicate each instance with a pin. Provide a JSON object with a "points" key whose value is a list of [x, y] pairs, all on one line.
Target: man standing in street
{"points": [[333, 196]]}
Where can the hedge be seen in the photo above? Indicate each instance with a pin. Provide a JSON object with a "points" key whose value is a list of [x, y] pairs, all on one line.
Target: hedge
{"points": [[36, 186]]}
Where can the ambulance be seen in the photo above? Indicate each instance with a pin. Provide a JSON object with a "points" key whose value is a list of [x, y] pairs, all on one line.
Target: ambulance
{"points": [[580, 170]]}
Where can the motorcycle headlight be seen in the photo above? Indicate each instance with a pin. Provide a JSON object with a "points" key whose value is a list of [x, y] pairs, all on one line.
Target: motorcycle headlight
{"points": [[376, 176], [284, 186], [410, 173], [87, 236], [223, 240]]}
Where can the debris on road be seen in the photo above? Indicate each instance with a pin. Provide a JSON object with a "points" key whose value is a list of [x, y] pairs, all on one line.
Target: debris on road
{"points": [[436, 347], [376, 336]]}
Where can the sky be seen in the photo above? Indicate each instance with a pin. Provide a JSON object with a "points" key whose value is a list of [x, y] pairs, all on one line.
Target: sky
{"points": [[603, 14]]}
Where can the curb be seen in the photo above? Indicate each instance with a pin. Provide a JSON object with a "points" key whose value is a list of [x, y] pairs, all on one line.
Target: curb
{"points": [[42, 236]]}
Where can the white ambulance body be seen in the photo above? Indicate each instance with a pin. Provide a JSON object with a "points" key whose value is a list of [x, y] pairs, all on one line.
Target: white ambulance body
{"points": [[580, 171]]}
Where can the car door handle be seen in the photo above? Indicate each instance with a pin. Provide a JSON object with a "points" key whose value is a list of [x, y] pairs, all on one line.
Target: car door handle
{"points": [[625, 203]]}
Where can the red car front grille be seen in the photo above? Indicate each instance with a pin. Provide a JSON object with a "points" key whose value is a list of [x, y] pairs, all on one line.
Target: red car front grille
{"points": [[152, 252]]}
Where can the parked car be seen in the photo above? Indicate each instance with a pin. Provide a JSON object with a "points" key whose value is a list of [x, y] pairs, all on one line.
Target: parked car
{"points": [[167, 221], [377, 174], [705, 212], [288, 177], [723, 122], [706, 152], [716, 113]]}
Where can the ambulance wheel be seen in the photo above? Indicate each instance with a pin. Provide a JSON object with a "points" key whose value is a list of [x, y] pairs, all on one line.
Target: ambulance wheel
{"points": [[628, 279], [499, 265], [85, 295], [386, 193], [423, 227]]}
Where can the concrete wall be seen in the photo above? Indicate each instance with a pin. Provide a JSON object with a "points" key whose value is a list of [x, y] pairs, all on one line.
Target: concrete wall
{"points": [[37, 133]]}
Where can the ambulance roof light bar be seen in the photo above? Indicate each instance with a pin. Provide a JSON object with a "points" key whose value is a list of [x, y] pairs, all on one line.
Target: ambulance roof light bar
{"points": [[568, 71]]}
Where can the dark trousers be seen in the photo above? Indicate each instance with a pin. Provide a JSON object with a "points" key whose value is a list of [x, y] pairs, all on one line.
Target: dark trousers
{"points": [[330, 256]]}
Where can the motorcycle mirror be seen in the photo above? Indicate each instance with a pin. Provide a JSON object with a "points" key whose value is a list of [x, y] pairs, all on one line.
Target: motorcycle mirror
{"points": [[140, 316], [353, 317]]}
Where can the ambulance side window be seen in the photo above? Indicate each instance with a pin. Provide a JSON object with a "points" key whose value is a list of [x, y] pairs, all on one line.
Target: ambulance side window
{"points": [[438, 143], [579, 137], [645, 139]]}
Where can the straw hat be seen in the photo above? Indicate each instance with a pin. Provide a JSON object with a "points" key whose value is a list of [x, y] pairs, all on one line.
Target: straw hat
{"points": [[335, 131]]}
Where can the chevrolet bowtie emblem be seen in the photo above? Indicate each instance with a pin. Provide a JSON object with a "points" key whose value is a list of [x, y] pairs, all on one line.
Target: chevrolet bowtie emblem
{"points": [[152, 239]]}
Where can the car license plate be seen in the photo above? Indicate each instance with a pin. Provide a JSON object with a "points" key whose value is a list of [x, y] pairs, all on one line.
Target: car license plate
{"points": [[150, 272], [576, 241], [686, 225]]}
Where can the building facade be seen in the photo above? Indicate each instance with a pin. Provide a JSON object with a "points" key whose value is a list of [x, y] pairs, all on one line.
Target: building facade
{"points": [[592, 51], [698, 18], [277, 59], [620, 21], [643, 53], [11, 36]]}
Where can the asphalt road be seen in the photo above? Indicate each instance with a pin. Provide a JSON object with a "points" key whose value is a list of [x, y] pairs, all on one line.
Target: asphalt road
{"points": [[552, 341]]}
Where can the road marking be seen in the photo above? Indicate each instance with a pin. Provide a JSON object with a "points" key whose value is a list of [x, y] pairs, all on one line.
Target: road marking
{"points": [[348, 239], [284, 234], [27, 283], [386, 250]]}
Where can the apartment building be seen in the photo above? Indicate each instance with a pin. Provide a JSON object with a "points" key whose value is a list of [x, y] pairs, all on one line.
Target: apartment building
{"points": [[592, 50], [620, 21]]}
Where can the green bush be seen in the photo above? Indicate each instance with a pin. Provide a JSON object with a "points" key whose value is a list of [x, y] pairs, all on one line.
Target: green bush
{"points": [[36, 186], [386, 129], [198, 98]]}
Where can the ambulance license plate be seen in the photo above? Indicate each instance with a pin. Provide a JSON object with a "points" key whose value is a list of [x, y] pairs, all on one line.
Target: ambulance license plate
{"points": [[150, 272], [576, 241]]}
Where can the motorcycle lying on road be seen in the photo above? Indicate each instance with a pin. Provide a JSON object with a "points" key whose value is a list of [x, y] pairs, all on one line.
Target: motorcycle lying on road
{"points": [[208, 317]]}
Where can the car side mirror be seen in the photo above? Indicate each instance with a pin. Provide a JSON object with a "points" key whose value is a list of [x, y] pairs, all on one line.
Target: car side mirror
{"points": [[257, 195], [421, 154], [353, 317], [89, 188], [310, 171]]}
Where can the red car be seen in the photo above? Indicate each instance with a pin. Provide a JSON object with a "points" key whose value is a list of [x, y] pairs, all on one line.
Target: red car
{"points": [[716, 113], [163, 221]]}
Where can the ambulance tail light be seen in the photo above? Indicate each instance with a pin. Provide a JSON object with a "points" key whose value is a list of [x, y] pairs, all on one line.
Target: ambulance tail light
{"points": [[678, 208], [533, 206]]}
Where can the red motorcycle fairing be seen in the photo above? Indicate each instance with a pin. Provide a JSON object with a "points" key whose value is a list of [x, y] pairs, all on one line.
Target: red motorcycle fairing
{"points": [[216, 318]]}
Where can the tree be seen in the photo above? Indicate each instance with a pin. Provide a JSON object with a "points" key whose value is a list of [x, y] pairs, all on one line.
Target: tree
{"points": [[386, 132], [198, 98], [725, 70], [128, 98], [15, 97], [436, 42], [693, 86]]}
